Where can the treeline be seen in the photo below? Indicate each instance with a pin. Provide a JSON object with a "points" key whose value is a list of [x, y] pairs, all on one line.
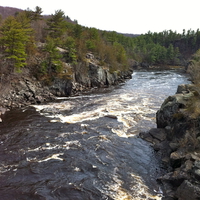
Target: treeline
{"points": [[164, 48], [168, 47], [44, 43]]}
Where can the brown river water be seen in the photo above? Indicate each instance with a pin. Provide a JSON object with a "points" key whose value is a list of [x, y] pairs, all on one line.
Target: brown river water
{"points": [[86, 147]]}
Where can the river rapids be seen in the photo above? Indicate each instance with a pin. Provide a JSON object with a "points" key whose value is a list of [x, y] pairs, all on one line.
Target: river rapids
{"points": [[86, 147]]}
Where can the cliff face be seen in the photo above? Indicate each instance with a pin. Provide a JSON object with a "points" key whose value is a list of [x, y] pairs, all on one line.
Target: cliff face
{"points": [[23, 89], [177, 141]]}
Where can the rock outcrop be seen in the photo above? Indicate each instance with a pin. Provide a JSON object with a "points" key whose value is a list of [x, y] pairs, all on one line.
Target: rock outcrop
{"points": [[177, 142], [89, 77], [20, 90], [100, 76]]}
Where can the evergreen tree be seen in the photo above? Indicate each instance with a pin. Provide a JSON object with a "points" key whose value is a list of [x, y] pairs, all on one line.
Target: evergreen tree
{"points": [[170, 53], [57, 25], [37, 14], [77, 31], [13, 40], [70, 46], [120, 53], [52, 63], [90, 45]]}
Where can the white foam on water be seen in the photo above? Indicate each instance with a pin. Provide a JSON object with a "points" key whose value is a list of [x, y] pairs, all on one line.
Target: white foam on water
{"points": [[138, 190], [123, 107], [49, 146], [50, 110], [119, 132], [6, 168], [51, 157]]}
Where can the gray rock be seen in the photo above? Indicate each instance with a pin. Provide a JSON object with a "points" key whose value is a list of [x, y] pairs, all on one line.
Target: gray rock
{"points": [[197, 174], [162, 146], [182, 136], [187, 191], [197, 164], [181, 89], [2, 110], [174, 146], [176, 158], [111, 78], [61, 87], [146, 136], [188, 166], [175, 178], [158, 133], [170, 109]]}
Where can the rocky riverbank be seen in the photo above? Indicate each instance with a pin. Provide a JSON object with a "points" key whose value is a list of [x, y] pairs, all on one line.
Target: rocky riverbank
{"points": [[177, 141], [20, 90]]}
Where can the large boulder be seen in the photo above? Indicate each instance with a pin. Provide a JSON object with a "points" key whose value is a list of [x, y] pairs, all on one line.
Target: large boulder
{"points": [[171, 108], [61, 87], [188, 190]]}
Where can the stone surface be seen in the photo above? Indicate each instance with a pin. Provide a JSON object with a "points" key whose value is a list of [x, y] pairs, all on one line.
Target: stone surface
{"points": [[146, 136], [179, 144], [176, 158], [187, 191], [155, 135], [23, 89], [158, 133]]}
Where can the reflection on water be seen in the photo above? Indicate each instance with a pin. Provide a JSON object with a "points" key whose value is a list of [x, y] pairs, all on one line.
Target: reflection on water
{"points": [[86, 147]]}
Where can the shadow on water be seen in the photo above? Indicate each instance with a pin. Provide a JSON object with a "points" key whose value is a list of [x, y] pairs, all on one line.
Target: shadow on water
{"points": [[43, 160]]}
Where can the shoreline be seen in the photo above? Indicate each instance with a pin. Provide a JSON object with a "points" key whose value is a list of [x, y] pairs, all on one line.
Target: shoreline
{"points": [[23, 91], [176, 141]]}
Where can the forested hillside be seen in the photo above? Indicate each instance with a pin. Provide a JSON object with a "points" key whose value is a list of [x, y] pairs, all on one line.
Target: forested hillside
{"points": [[43, 43], [164, 48]]}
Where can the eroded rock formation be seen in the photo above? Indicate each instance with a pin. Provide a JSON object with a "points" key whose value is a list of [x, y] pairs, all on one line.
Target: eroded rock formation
{"points": [[22, 89], [177, 141]]}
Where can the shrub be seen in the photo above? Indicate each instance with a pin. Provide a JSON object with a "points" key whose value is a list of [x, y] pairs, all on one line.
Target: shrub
{"points": [[194, 68]]}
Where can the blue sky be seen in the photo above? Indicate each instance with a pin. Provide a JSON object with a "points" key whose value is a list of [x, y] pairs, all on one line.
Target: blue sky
{"points": [[127, 16]]}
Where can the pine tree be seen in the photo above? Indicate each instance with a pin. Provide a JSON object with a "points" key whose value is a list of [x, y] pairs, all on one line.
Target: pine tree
{"points": [[70, 46], [57, 24], [37, 14], [120, 53], [52, 63], [13, 40], [77, 32], [170, 53]]}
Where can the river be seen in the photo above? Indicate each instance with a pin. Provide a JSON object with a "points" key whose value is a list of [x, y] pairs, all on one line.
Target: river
{"points": [[86, 147]]}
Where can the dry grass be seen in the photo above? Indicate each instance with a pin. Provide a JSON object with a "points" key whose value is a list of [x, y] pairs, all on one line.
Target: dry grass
{"points": [[194, 68], [193, 109]]}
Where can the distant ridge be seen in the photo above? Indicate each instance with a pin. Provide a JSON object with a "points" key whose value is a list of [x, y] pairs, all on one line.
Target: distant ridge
{"points": [[7, 11]]}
